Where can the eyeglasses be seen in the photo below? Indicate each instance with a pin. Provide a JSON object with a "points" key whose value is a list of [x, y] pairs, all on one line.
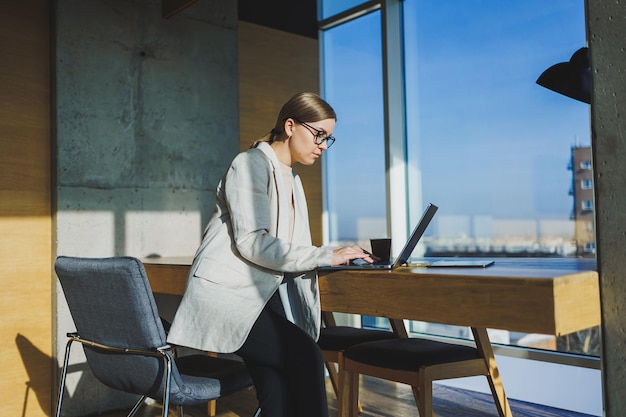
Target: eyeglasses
{"points": [[319, 136]]}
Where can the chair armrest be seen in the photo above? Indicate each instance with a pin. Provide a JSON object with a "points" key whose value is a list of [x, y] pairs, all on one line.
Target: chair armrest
{"points": [[159, 351]]}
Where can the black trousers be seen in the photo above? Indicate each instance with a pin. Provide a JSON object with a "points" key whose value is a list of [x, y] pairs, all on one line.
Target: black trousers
{"points": [[287, 368]]}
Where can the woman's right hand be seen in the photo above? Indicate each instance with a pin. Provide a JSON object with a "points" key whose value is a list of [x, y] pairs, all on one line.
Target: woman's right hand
{"points": [[343, 256]]}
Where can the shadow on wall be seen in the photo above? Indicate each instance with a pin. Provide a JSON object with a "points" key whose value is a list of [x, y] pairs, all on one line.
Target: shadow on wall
{"points": [[39, 382], [34, 361]]}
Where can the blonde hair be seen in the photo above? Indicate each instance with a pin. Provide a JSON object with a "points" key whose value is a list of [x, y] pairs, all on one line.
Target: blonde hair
{"points": [[306, 107]]}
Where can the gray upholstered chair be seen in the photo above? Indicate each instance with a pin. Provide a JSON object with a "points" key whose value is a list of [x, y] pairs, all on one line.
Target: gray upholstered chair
{"points": [[119, 327]]}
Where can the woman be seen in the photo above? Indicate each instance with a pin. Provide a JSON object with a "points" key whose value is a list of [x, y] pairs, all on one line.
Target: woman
{"points": [[252, 287]]}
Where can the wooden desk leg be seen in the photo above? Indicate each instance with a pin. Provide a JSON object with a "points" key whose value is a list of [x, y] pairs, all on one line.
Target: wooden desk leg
{"points": [[495, 383], [398, 327]]}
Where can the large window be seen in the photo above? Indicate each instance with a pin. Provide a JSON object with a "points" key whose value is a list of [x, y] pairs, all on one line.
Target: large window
{"points": [[485, 143], [491, 145], [355, 166]]}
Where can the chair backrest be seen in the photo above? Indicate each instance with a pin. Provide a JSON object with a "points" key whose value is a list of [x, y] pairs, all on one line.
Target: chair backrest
{"points": [[111, 303]]}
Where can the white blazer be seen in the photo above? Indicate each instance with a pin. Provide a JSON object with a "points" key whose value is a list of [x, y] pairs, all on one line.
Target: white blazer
{"points": [[244, 254]]}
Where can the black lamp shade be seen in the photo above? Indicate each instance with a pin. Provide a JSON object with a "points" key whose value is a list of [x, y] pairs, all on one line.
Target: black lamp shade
{"points": [[572, 79]]}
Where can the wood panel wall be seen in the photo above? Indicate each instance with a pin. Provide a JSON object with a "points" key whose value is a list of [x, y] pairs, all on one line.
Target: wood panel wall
{"points": [[273, 66], [25, 219]]}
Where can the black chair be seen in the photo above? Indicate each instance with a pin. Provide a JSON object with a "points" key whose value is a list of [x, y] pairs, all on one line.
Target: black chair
{"points": [[416, 362], [119, 327], [334, 340]]}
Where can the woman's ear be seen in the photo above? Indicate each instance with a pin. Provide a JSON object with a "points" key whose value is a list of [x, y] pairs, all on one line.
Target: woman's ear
{"points": [[289, 126]]}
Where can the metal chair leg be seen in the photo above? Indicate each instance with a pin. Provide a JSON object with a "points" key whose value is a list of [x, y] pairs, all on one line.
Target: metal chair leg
{"points": [[168, 379], [137, 406], [66, 360], [63, 376]]}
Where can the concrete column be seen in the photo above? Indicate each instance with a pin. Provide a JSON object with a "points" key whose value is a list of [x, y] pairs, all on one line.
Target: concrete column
{"points": [[606, 24], [146, 123]]}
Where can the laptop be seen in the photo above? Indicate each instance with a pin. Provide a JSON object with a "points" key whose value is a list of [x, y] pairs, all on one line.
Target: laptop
{"points": [[406, 252], [461, 263]]}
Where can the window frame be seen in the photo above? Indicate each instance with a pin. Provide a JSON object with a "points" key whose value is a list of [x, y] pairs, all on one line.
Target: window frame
{"points": [[396, 156]]}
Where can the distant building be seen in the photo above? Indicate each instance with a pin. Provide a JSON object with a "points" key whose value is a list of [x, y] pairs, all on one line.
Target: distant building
{"points": [[582, 192]]}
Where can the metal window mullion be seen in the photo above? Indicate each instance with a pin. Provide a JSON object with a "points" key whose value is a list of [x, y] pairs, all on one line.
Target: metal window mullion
{"points": [[347, 15], [395, 123]]}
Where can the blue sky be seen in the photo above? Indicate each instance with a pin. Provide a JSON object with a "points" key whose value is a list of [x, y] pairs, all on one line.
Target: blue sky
{"points": [[486, 139]]}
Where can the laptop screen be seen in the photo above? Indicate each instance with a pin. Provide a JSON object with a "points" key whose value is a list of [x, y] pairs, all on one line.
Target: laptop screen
{"points": [[419, 230]]}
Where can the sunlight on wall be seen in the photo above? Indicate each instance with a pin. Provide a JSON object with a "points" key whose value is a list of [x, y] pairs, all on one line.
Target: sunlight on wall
{"points": [[164, 233], [86, 233]]}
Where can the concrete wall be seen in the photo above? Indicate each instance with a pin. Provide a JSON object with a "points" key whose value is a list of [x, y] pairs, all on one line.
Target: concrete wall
{"points": [[607, 44], [146, 123]]}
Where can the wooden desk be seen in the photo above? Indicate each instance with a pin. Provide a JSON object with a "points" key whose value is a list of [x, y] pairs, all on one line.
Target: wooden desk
{"points": [[549, 296], [534, 296]]}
